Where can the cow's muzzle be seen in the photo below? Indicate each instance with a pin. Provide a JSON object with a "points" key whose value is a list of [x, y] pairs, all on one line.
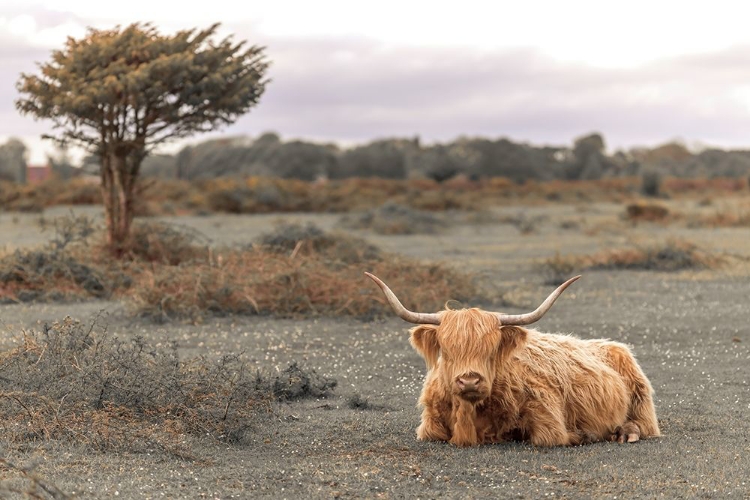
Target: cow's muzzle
{"points": [[471, 387]]}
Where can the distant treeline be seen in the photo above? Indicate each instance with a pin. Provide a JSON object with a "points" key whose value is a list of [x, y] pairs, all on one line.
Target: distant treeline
{"points": [[474, 158]]}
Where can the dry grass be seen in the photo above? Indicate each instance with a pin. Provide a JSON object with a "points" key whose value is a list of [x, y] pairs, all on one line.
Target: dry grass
{"points": [[557, 269], [727, 219], [733, 216], [299, 239], [22, 481], [675, 186], [171, 273], [34, 198], [54, 272], [734, 213], [75, 382], [45, 276], [316, 274], [673, 255], [262, 195]]}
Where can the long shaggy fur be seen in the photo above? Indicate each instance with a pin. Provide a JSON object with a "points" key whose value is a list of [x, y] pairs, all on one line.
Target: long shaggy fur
{"points": [[544, 388]]}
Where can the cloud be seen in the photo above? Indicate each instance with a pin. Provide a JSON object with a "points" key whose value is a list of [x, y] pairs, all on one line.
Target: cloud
{"points": [[348, 89], [356, 89]]}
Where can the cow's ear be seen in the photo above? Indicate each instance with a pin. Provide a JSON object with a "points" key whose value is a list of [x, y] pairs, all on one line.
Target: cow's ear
{"points": [[511, 338], [424, 340]]}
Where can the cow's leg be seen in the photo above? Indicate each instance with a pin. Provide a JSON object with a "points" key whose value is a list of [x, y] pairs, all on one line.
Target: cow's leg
{"points": [[641, 419], [545, 425], [432, 427], [435, 415]]}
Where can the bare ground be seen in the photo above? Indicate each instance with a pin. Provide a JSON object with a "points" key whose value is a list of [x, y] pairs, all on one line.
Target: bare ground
{"points": [[689, 331]]}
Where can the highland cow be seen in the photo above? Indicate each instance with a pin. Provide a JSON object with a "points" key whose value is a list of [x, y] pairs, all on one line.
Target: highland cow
{"points": [[491, 380]]}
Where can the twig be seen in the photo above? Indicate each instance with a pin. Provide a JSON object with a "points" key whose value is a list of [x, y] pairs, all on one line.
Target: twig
{"points": [[296, 249]]}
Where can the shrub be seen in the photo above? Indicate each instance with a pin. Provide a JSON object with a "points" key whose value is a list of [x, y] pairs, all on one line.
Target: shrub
{"points": [[263, 195], [357, 402], [305, 283], [651, 183], [54, 272], [167, 244], [392, 218], [384, 158], [173, 274], [234, 201], [673, 255], [26, 276], [76, 382], [646, 212], [307, 239]]}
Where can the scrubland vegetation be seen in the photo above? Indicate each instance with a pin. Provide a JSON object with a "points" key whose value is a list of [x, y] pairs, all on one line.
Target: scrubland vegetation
{"points": [[74, 383], [270, 195], [104, 398]]}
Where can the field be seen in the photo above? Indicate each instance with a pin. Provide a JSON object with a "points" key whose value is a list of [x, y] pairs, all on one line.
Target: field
{"points": [[673, 284]]}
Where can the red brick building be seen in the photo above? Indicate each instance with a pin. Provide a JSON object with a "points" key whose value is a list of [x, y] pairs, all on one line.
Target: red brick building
{"points": [[37, 173]]}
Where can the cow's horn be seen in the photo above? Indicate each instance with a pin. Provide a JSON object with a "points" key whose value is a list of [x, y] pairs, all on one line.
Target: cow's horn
{"points": [[400, 310], [533, 317]]}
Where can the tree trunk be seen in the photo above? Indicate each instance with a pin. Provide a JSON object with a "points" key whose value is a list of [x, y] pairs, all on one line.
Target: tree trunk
{"points": [[118, 181]]}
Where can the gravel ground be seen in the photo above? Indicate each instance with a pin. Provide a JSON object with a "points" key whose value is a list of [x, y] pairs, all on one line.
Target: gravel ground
{"points": [[689, 331]]}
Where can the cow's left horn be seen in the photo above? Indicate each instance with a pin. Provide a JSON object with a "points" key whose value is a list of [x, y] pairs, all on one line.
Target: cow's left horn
{"points": [[534, 316], [400, 310]]}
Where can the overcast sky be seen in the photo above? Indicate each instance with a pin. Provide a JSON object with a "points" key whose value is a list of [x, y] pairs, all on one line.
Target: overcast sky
{"points": [[640, 72]]}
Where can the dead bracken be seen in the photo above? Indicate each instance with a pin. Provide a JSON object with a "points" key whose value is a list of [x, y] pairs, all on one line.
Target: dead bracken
{"points": [[169, 273], [672, 255]]}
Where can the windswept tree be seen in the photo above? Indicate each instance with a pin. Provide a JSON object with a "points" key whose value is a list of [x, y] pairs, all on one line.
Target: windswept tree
{"points": [[121, 92]]}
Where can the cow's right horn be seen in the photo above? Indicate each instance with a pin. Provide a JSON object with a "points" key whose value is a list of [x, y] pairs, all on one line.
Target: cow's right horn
{"points": [[534, 316], [400, 310]]}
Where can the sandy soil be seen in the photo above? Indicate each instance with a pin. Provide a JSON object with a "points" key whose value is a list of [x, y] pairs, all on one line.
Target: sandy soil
{"points": [[689, 331]]}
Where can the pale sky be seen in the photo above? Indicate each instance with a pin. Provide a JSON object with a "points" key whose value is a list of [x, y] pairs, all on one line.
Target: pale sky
{"points": [[639, 72]]}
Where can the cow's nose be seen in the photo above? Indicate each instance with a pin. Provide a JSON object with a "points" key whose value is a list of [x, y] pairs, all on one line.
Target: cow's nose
{"points": [[468, 382]]}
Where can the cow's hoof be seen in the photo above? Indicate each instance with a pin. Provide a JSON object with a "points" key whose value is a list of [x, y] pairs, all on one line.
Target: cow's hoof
{"points": [[626, 433]]}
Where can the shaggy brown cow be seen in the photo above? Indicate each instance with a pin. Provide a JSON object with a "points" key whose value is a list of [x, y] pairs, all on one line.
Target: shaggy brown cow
{"points": [[490, 380]]}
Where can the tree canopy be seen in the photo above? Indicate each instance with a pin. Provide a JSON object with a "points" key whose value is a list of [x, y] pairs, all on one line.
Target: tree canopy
{"points": [[136, 88], [120, 92]]}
